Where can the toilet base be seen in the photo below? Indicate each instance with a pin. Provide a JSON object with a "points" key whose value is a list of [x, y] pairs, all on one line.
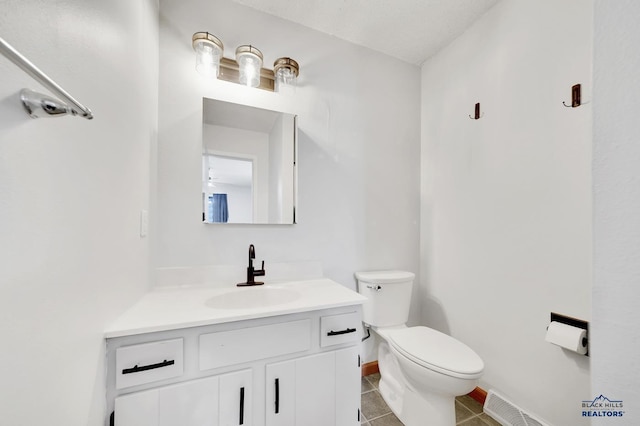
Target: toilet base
{"points": [[436, 410], [413, 410], [410, 407], [393, 396]]}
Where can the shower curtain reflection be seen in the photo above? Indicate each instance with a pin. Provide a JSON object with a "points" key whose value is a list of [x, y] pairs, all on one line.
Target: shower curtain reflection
{"points": [[218, 208]]}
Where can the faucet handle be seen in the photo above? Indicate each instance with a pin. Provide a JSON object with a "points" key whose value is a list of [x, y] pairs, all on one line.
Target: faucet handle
{"points": [[259, 272]]}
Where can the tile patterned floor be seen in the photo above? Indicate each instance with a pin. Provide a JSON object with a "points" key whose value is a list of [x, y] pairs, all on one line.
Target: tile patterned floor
{"points": [[375, 411]]}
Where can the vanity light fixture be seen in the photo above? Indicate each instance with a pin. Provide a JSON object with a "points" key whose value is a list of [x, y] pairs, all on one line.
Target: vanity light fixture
{"points": [[246, 69]]}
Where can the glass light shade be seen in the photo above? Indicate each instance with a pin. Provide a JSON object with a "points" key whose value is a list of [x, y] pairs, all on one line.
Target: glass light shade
{"points": [[286, 74], [208, 53], [285, 80], [250, 63]]}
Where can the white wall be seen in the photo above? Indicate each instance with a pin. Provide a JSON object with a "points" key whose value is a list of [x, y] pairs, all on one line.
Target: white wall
{"points": [[506, 200], [615, 341], [358, 147], [73, 263]]}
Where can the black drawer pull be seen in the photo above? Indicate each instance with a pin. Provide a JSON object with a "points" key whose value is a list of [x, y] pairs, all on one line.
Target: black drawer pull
{"points": [[337, 333], [277, 396], [136, 369], [241, 406]]}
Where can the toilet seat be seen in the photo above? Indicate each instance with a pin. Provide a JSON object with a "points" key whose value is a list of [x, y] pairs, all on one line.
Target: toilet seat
{"points": [[436, 351]]}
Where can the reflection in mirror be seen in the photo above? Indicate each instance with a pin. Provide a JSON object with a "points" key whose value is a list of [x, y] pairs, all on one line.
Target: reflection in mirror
{"points": [[248, 164], [228, 177]]}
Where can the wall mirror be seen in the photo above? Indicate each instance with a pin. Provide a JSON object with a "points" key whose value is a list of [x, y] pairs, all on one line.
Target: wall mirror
{"points": [[248, 164]]}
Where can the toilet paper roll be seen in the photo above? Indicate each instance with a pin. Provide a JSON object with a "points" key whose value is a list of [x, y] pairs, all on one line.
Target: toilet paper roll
{"points": [[568, 337]]}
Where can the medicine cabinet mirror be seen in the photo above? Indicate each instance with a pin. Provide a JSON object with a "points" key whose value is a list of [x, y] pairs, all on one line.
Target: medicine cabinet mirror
{"points": [[248, 164]]}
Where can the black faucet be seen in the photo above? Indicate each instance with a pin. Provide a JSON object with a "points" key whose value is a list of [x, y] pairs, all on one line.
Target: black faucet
{"points": [[252, 273]]}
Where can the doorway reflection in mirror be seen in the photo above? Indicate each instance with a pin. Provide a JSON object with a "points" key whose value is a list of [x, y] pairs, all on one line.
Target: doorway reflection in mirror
{"points": [[228, 192]]}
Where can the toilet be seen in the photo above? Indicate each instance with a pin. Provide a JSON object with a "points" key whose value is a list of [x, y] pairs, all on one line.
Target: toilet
{"points": [[421, 370]]}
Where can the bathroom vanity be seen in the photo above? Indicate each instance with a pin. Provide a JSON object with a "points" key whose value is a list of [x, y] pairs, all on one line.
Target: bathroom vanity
{"points": [[274, 355]]}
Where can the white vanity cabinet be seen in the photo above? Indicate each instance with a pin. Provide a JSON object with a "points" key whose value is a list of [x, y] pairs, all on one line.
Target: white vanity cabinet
{"points": [[300, 369]]}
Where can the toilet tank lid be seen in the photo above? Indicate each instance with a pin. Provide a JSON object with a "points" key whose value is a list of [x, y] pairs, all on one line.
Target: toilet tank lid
{"points": [[384, 276]]}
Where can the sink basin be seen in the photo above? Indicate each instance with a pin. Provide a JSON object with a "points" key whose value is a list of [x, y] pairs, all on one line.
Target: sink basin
{"points": [[247, 298]]}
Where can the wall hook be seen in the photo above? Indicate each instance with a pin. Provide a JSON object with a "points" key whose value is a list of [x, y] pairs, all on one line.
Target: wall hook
{"points": [[477, 115], [576, 97]]}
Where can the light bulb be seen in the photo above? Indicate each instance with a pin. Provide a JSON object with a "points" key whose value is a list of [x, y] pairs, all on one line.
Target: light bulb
{"points": [[250, 63]]}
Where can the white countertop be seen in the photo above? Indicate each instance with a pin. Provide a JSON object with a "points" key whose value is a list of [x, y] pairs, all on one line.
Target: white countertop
{"points": [[181, 307]]}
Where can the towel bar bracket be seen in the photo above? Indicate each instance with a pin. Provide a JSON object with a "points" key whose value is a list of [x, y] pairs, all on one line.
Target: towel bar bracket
{"points": [[39, 105]]}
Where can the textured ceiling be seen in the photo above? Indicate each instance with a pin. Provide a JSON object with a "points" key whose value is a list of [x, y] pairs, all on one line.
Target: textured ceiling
{"points": [[410, 30]]}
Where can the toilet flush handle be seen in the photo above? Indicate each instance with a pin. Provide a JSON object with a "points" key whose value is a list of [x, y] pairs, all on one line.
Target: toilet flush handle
{"points": [[374, 287]]}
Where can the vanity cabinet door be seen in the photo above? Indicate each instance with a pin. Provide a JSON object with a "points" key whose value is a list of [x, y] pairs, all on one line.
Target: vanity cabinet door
{"points": [[193, 403], [348, 385], [280, 394], [137, 409], [301, 391], [315, 390], [236, 398]]}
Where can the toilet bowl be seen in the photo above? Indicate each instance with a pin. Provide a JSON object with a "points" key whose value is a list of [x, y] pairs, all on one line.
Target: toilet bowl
{"points": [[421, 370]]}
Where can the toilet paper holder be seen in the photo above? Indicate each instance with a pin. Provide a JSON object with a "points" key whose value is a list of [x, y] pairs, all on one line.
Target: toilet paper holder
{"points": [[574, 322]]}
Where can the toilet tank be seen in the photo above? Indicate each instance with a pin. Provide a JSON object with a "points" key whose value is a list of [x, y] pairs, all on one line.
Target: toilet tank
{"points": [[388, 296]]}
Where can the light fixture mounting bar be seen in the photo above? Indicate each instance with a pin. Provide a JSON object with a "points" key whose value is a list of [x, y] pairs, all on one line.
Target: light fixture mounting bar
{"points": [[230, 71]]}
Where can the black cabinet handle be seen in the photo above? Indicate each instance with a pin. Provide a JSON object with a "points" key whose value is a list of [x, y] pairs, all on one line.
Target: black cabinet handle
{"points": [[336, 333], [241, 405], [136, 369], [277, 396]]}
